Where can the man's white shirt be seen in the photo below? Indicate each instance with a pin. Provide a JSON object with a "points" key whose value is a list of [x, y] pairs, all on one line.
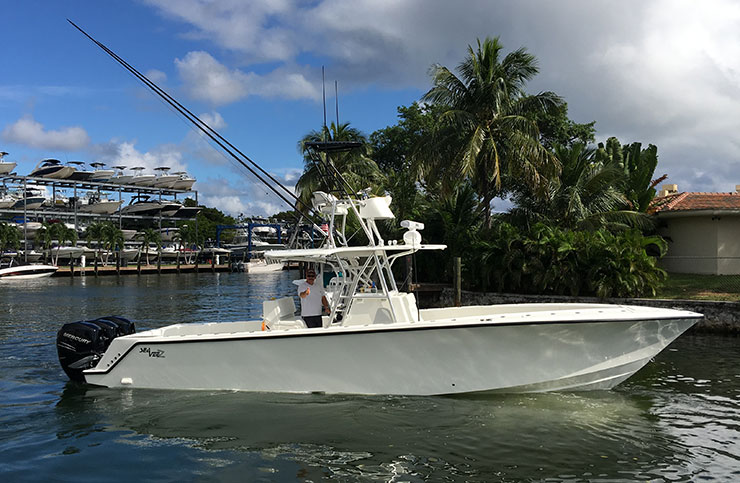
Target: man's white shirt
{"points": [[311, 304]]}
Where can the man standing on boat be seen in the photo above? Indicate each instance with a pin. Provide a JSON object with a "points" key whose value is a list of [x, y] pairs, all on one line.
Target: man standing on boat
{"points": [[313, 300]]}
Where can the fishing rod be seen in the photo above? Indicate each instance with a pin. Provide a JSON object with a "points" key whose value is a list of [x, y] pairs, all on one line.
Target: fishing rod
{"points": [[205, 128]]}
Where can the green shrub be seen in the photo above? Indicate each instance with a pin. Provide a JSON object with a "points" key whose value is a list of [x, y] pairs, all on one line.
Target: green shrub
{"points": [[550, 260]]}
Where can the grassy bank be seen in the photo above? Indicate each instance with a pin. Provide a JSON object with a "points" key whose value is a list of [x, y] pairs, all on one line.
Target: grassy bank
{"points": [[701, 287]]}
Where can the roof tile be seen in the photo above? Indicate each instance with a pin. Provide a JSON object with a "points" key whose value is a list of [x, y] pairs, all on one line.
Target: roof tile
{"points": [[689, 201]]}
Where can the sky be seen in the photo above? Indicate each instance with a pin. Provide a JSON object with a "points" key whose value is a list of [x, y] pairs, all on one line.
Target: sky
{"points": [[663, 72]]}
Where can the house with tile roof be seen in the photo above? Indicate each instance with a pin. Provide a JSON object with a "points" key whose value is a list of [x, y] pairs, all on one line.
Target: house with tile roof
{"points": [[702, 231]]}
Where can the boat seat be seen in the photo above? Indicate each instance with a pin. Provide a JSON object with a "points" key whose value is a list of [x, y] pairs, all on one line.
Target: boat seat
{"points": [[280, 314]]}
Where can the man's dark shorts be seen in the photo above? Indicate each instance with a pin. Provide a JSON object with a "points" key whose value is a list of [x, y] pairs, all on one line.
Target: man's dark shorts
{"points": [[313, 321]]}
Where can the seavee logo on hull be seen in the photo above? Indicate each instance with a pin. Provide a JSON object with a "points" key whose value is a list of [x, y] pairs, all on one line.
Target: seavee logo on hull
{"points": [[159, 353]]}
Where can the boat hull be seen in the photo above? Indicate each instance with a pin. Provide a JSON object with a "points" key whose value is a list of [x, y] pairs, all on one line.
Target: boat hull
{"points": [[432, 358], [101, 207], [26, 272], [6, 168]]}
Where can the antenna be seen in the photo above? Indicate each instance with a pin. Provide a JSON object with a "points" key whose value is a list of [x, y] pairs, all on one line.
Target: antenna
{"points": [[323, 93], [336, 101]]}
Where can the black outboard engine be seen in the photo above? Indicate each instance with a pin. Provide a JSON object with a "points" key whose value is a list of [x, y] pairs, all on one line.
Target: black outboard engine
{"points": [[81, 344]]}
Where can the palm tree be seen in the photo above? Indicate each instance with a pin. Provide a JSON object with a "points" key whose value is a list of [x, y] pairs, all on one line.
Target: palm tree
{"points": [[487, 132], [9, 237], [589, 195], [62, 234], [94, 233], [355, 165], [148, 237], [112, 238]]}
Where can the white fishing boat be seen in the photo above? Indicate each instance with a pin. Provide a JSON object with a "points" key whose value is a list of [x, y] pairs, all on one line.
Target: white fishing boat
{"points": [[120, 177], [140, 178], [80, 173], [7, 199], [10, 270], [6, 167], [98, 203], [164, 180], [261, 265], [184, 181], [375, 340], [64, 255], [101, 175]]}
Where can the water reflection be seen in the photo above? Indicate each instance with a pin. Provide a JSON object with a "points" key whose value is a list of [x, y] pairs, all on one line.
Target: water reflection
{"points": [[348, 437]]}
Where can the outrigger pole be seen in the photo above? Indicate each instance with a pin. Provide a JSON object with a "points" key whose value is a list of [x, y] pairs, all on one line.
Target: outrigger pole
{"points": [[206, 129]]}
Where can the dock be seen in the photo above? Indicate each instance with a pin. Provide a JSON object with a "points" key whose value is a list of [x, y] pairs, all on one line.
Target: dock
{"points": [[143, 269]]}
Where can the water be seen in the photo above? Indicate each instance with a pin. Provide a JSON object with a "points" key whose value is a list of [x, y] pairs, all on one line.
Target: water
{"points": [[676, 420]]}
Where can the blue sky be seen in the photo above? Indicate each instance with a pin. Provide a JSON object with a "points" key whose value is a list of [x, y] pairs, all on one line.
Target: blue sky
{"points": [[253, 69]]}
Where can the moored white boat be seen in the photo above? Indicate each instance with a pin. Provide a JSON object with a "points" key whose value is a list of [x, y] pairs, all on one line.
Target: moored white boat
{"points": [[376, 341], [10, 270]]}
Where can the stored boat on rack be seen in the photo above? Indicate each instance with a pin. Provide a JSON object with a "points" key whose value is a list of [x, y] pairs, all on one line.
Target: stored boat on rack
{"points": [[140, 178], [120, 177], [52, 168], [142, 205], [80, 173], [184, 181], [101, 175], [376, 340], [164, 180], [98, 203], [29, 199], [6, 167]]}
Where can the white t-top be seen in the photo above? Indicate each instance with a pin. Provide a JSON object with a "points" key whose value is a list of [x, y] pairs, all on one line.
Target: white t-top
{"points": [[311, 305]]}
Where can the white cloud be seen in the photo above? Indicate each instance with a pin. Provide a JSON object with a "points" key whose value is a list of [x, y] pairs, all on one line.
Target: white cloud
{"points": [[29, 132], [156, 76], [207, 79], [124, 153], [213, 119], [236, 197]]}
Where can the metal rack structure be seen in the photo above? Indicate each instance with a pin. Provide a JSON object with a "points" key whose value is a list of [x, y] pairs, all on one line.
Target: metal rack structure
{"points": [[13, 181]]}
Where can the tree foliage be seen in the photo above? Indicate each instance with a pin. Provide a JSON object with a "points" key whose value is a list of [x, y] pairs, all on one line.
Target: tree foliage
{"points": [[550, 260], [487, 133]]}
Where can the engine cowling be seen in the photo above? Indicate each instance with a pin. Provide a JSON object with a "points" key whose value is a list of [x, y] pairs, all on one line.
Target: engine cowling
{"points": [[81, 344]]}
